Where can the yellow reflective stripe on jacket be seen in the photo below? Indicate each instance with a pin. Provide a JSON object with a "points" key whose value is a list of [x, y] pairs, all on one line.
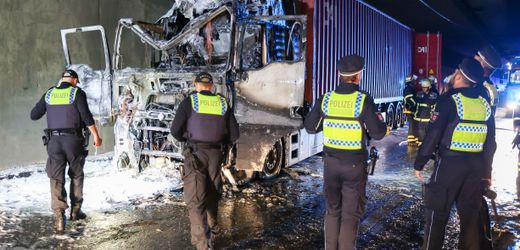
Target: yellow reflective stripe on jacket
{"points": [[207, 104], [422, 119], [341, 129], [470, 134], [56, 96]]}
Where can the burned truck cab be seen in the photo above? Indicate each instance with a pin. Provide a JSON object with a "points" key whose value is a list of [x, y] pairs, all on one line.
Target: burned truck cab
{"points": [[256, 55]]}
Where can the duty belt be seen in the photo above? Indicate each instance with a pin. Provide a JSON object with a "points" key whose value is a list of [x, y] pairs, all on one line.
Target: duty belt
{"points": [[63, 132], [204, 145]]}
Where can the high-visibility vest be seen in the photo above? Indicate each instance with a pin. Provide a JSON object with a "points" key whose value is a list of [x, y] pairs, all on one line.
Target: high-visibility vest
{"points": [[61, 113], [341, 126], [470, 131], [206, 122]]}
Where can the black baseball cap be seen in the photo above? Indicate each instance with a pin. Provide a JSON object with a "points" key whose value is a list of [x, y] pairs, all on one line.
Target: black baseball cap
{"points": [[70, 73], [204, 77], [350, 65], [472, 70]]}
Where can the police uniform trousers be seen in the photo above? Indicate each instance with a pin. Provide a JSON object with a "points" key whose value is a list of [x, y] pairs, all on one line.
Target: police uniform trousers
{"points": [[345, 198], [456, 179], [63, 150], [202, 191]]}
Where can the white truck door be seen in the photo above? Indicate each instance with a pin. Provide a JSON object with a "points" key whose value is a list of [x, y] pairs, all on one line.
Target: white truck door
{"points": [[95, 83]]}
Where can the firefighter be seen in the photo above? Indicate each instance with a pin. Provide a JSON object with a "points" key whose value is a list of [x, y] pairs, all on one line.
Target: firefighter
{"points": [[462, 131], [409, 106], [206, 123], [67, 116], [490, 60], [347, 117], [425, 101]]}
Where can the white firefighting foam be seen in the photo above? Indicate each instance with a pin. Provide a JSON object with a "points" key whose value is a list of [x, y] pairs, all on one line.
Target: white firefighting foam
{"points": [[104, 187]]}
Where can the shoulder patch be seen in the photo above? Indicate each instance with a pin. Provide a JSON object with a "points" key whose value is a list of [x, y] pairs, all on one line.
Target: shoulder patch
{"points": [[380, 116], [434, 116]]}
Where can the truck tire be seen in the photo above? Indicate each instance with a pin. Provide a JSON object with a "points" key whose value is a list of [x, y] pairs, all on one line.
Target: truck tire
{"points": [[390, 116], [400, 117], [273, 162]]}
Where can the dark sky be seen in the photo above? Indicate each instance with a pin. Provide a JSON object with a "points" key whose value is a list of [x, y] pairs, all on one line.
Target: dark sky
{"points": [[466, 25]]}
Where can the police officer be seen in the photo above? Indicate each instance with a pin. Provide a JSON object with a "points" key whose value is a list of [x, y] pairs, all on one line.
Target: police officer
{"points": [[346, 115], [425, 100], [409, 106], [67, 115], [206, 123], [489, 59], [462, 131]]}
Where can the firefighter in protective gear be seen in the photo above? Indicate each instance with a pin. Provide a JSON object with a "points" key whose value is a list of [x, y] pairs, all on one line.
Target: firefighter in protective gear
{"points": [[346, 116], [461, 131], [206, 123], [67, 115], [425, 100], [409, 106]]}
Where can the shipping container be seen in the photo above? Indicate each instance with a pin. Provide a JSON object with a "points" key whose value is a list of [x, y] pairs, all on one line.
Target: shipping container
{"points": [[427, 56], [348, 27]]}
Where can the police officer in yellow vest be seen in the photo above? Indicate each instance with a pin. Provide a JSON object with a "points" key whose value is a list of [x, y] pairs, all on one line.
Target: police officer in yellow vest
{"points": [[461, 130], [67, 115], [207, 124], [490, 60], [425, 102], [347, 116], [409, 92]]}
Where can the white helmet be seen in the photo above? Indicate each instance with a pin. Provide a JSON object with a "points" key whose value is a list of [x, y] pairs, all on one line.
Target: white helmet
{"points": [[425, 83]]}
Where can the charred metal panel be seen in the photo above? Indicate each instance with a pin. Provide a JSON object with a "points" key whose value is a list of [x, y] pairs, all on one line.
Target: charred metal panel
{"points": [[277, 85], [255, 142], [350, 26]]}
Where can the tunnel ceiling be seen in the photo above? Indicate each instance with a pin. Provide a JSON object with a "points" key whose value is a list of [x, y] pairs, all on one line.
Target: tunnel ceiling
{"points": [[465, 25]]}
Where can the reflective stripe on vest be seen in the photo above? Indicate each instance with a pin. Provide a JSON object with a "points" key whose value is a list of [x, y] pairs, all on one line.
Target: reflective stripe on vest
{"points": [[470, 133], [341, 128], [208, 104], [64, 96]]}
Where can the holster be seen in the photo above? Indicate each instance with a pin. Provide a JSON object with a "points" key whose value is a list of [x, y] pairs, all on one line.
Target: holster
{"points": [[191, 163], [46, 136]]}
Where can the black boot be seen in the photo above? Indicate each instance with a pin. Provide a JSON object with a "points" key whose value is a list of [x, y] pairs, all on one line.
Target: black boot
{"points": [[77, 214], [59, 221]]}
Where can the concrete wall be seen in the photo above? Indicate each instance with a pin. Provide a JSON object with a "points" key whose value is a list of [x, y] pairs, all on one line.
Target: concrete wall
{"points": [[32, 60]]}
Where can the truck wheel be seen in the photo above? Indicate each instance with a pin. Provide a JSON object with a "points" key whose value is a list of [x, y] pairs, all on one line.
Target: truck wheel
{"points": [[400, 117], [273, 162], [390, 118]]}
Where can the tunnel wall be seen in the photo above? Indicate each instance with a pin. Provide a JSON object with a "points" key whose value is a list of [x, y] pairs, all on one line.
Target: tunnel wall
{"points": [[32, 60]]}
